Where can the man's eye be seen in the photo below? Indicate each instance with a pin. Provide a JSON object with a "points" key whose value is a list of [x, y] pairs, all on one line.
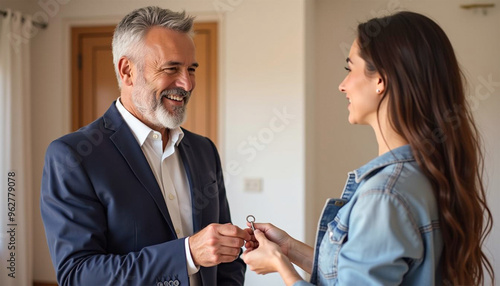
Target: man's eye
{"points": [[170, 70], [347, 69], [191, 70]]}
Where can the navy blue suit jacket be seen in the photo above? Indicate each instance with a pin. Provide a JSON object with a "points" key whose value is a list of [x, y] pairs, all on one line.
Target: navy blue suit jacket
{"points": [[105, 217]]}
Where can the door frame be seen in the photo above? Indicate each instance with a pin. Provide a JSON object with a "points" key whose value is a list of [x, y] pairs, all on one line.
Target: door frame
{"points": [[80, 102]]}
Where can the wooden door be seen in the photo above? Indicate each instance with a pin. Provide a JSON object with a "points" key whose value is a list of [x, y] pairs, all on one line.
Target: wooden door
{"points": [[202, 115], [94, 83], [95, 87]]}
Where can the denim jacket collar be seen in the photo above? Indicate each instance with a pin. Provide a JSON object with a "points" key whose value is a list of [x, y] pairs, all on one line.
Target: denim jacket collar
{"points": [[400, 154]]}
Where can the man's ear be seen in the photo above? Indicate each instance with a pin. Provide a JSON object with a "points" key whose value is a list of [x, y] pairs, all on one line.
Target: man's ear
{"points": [[125, 70]]}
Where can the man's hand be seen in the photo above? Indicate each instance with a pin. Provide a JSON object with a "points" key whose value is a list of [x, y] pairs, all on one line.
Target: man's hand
{"points": [[217, 243]]}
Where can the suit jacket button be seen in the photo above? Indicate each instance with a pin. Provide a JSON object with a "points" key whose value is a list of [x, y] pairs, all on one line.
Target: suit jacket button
{"points": [[176, 282], [159, 284]]}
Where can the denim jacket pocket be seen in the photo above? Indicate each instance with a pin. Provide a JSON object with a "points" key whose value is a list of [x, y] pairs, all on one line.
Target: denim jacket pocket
{"points": [[331, 244]]}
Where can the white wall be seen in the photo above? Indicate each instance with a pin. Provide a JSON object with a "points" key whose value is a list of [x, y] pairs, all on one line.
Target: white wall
{"points": [[341, 147], [262, 83], [264, 78]]}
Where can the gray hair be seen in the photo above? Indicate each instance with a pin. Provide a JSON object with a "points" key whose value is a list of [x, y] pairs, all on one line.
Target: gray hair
{"points": [[129, 33]]}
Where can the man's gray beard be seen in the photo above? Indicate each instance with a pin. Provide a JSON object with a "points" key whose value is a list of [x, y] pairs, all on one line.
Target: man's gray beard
{"points": [[156, 113]]}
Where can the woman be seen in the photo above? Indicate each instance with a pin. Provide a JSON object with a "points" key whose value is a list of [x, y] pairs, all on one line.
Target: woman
{"points": [[416, 214]]}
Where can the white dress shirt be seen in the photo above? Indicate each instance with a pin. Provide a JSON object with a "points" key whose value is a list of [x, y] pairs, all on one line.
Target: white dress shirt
{"points": [[170, 174]]}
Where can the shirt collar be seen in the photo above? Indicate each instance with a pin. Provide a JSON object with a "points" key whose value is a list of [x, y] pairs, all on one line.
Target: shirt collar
{"points": [[176, 135], [141, 131], [398, 155]]}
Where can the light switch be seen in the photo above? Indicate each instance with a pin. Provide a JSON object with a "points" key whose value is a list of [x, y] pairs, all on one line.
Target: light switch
{"points": [[253, 185]]}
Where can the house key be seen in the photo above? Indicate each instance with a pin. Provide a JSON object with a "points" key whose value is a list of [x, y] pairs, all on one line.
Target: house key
{"points": [[251, 219]]}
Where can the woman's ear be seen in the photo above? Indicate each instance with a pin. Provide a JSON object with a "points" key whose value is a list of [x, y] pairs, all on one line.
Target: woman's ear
{"points": [[125, 70], [380, 84]]}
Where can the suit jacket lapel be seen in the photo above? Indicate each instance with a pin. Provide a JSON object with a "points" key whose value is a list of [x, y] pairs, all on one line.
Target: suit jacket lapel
{"points": [[189, 161], [126, 143]]}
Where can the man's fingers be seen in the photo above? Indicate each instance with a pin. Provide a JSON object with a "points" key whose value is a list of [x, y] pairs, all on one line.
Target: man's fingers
{"points": [[229, 251], [234, 231], [251, 244], [217, 244], [224, 254], [231, 241], [249, 231]]}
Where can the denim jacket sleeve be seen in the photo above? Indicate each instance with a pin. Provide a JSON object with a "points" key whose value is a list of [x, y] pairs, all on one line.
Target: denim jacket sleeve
{"points": [[383, 241], [302, 283]]}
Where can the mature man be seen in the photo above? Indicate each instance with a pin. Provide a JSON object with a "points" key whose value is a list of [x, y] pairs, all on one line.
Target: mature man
{"points": [[133, 199]]}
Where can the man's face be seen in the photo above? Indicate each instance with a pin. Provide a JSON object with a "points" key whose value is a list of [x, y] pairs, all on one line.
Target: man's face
{"points": [[163, 84]]}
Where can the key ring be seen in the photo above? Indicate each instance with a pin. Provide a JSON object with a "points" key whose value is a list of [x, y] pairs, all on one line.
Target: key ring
{"points": [[251, 219]]}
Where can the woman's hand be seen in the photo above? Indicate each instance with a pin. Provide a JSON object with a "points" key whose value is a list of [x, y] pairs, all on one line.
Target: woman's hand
{"points": [[272, 233], [268, 258]]}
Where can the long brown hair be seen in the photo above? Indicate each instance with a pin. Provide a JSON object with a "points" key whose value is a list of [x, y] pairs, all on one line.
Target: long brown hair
{"points": [[427, 106]]}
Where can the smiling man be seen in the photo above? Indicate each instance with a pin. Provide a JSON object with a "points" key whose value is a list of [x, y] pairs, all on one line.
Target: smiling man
{"points": [[157, 91], [145, 204]]}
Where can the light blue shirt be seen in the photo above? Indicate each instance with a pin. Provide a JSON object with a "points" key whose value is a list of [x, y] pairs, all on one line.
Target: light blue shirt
{"points": [[383, 231]]}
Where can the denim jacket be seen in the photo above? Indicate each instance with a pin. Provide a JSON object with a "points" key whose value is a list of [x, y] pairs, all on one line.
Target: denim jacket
{"points": [[383, 231]]}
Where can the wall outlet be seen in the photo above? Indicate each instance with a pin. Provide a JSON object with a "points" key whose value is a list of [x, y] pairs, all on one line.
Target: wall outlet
{"points": [[253, 185]]}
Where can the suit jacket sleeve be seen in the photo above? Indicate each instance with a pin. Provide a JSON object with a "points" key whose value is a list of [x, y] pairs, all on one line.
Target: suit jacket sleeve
{"points": [[76, 228]]}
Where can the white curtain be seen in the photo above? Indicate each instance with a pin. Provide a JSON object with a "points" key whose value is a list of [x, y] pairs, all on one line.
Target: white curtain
{"points": [[15, 151]]}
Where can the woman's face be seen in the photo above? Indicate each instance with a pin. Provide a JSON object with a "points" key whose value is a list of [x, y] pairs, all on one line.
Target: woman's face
{"points": [[363, 92]]}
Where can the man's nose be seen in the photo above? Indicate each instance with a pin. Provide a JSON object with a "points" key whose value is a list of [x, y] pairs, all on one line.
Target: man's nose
{"points": [[185, 81]]}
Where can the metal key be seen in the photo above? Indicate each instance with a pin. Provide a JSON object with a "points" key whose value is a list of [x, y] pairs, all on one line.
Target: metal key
{"points": [[251, 219]]}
